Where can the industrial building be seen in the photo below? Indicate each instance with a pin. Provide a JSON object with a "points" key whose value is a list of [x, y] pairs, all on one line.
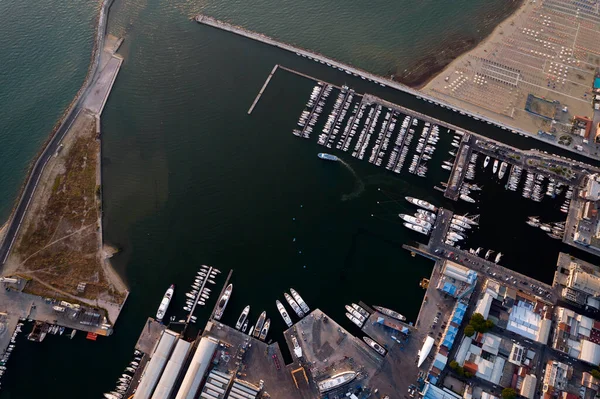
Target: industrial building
{"points": [[243, 390], [577, 335], [457, 280], [197, 368], [216, 385], [172, 370], [156, 365], [528, 386]]}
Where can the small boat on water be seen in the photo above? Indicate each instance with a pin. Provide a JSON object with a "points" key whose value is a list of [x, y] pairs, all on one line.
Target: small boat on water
{"points": [[486, 162], [416, 228], [355, 313], [375, 345], [495, 166], [361, 310], [498, 257], [466, 198], [446, 167], [164, 304], [300, 301], [283, 313], [421, 203], [265, 330], [390, 313], [327, 157], [414, 220], [223, 302], [243, 317], [354, 319], [293, 304], [502, 170], [259, 324]]}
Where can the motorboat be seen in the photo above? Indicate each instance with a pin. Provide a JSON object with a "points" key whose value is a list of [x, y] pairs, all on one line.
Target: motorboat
{"points": [[355, 313], [390, 313], [498, 257], [495, 166], [245, 326], [283, 313], [502, 170], [416, 228], [486, 162], [375, 345], [466, 198], [243, 317], [360, 310], [423, 204], [259, 324], [414, 220], [446, 167], [300, 301], [354, 319], [264, 330], [293, 304], [223, 302]]}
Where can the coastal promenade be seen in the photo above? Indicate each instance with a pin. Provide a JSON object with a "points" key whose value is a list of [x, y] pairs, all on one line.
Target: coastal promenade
{"points": [[94, 72], [209, 21]]}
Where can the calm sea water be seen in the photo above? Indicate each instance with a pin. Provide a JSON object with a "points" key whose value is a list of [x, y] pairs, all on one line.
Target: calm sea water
{"points": [[190, 178]]}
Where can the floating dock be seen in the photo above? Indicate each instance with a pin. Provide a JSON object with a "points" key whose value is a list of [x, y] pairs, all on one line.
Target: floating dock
{"points": [[262, 90]]}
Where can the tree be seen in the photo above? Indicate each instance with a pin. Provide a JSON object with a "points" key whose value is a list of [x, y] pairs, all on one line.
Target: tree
{"points": [[489, 324], [468, 374], [509, 393], [595, 373], [469, 330], [453, 365]]}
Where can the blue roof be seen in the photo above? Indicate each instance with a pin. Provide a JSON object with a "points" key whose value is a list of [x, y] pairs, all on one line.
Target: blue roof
{"points": [[449, 288], [597, 83], [450, 336], [439, 365]]}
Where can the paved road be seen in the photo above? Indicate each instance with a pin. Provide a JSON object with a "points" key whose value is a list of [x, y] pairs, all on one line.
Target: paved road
{"points": [[15, 223]]}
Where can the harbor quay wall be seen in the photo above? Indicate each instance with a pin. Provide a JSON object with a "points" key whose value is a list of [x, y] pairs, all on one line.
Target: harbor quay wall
{"points": [[209, 21]]}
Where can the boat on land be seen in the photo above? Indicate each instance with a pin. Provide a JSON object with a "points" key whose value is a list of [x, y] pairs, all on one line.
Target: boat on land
{"points": [[223, 302], [284, 313], [164, 304], [416, 228], [495, 166], [336, 381], [265, 330], [243, 317], [422, 204], [300, 301], [502, 170], [293, 304], [327, 157], [390, 313], [354, 319], [259, 324], [375, 345], [486, 162]]}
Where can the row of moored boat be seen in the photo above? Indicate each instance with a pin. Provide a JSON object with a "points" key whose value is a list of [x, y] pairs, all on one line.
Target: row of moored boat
{"points": [[124, 381]]}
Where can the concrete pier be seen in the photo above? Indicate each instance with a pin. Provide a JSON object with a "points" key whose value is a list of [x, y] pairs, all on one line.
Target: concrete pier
{"points": [[262, 89]]}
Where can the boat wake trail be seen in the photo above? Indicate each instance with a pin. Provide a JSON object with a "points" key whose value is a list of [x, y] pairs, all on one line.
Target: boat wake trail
{"points": [[359, 185]]}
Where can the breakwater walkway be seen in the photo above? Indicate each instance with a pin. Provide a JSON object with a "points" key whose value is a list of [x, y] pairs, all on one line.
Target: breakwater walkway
{"points": [[238, 30]]}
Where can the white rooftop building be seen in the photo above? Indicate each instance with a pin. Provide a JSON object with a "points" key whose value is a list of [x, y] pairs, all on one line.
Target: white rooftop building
{"points": [[524, 321]]}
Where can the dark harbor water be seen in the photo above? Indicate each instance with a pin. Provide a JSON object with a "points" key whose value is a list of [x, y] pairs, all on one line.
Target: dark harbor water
{"points": [[191, 179]]}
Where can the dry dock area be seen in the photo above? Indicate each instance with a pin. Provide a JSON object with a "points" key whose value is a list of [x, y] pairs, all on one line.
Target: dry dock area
{"points": [[252, 360]]}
